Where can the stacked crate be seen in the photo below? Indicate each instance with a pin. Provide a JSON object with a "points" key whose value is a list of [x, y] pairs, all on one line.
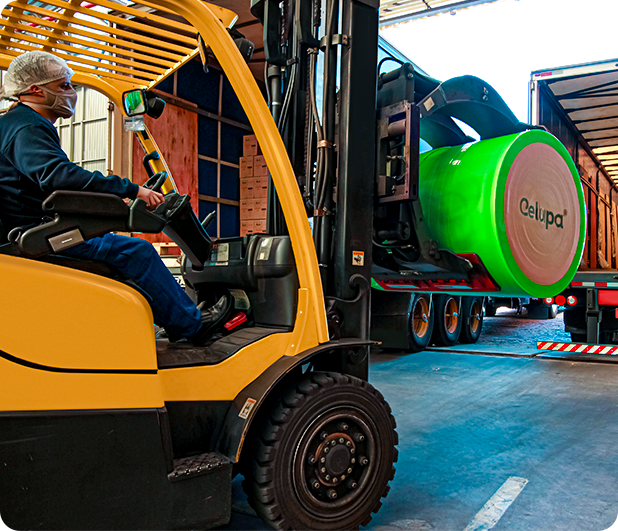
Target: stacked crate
{"points": [[253, 188]]}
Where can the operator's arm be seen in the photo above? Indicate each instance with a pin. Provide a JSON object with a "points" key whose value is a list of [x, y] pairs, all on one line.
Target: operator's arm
{"points": [[35, 151]]}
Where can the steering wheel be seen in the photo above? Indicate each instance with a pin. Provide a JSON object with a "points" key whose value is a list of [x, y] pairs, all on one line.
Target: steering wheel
{"points": [[156, 181]]}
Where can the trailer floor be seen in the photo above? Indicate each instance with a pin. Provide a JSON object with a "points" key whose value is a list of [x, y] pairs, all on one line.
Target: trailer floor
{"points": [[542, 431]]}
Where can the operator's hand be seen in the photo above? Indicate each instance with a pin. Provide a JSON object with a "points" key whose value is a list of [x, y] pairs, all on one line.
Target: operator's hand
{"points": [[153, 199]]}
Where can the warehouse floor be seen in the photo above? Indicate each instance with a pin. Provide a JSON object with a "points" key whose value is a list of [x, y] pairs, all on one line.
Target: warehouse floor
{"points": [[543, 432]]}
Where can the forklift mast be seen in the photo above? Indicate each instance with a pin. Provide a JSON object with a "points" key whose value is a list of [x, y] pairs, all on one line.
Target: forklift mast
{"points": [[332, 148]]}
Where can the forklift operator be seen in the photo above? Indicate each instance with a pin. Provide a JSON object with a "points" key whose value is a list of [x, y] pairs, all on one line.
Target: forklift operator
{"points": [[33, 165]]}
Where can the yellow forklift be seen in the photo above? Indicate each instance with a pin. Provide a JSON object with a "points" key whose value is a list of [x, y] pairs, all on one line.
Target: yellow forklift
{"points": [[104, 427]]}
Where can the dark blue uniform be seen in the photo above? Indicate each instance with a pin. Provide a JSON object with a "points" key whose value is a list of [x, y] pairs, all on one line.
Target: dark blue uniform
{"points": [[33, 165]]}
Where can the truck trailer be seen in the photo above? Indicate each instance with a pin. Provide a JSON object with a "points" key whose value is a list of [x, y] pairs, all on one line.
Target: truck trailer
{"points": [[577, 104]]}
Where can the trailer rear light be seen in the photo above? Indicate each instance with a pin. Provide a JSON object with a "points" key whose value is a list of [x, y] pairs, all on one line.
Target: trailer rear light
{"points": [[548, 300], [560, 300], [571, 301]]}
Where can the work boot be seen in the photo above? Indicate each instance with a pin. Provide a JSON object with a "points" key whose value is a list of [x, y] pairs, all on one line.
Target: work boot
{"points": [[213, 318]]}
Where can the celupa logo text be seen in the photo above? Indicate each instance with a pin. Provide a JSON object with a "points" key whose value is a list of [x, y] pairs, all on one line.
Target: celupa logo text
{"points": [[541, 214]]}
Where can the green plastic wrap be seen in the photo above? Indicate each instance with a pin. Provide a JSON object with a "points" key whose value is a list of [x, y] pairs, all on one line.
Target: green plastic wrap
{"points": [[516, 201]]}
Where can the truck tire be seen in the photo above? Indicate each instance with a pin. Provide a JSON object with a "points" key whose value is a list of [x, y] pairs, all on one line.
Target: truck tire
{"points": [[447, 320], [490, 310], [324, 456], [421, 322], [472, 319]]}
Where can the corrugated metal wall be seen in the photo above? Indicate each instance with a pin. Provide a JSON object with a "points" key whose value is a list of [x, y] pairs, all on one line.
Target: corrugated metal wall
{"points": [[85, 136]]}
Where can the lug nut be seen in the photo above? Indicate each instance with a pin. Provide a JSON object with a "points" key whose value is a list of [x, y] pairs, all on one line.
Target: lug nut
{"points": [[359, 437], [352, 484], [349, 470], [343, 426], [315, 484], [323, 470], [341, 440], [323, 460], [333, 443], [311, 459], [326, 450], [335, 480], [353, 461], [332, 494], [352, 450], [327, 477], [363, 461], [348, 444], [342, 477], [323, 435]]}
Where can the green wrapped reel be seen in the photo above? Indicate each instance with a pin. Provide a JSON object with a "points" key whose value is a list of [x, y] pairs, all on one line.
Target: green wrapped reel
{"points": [[516, 201]]}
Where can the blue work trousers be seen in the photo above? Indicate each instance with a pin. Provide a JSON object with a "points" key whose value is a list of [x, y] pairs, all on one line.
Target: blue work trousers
{"points": [[137, 260]]}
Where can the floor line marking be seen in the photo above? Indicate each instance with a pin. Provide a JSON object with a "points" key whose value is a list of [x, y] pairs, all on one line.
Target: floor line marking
{"points": [[497, 505]]}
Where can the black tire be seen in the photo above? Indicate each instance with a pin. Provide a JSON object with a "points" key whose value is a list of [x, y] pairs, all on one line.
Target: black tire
{"points": [[472, 319], [420, 323], [490, 310], [447, 320], [308, 468]]}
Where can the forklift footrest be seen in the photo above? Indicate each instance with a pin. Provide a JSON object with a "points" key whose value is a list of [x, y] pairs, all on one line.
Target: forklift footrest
{"points": [[198, 465]]}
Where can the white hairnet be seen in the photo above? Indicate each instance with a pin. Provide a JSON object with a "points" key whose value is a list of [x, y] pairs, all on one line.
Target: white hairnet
{"points": [[32, 68]]}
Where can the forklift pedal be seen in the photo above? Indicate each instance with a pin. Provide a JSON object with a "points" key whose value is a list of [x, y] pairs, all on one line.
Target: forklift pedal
{"points": [[237, 319], [198, 465]]}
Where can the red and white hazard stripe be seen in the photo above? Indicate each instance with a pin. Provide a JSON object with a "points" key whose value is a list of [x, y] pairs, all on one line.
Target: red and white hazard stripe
{"points": [[594, 284], [577, 348]]}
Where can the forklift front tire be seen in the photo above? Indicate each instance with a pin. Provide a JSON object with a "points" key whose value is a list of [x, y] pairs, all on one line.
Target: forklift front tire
{"points": [[325, 456]]}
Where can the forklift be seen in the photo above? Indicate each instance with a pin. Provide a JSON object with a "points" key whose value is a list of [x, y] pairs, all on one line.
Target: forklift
{"points": [[102, 426]]}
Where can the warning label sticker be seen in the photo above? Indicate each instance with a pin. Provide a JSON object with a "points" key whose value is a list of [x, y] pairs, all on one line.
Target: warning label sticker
{"points": [[247, 408], [358, 258]]}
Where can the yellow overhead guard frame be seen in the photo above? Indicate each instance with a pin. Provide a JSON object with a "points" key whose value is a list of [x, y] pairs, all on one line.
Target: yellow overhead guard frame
{"points": [[114, 46]]}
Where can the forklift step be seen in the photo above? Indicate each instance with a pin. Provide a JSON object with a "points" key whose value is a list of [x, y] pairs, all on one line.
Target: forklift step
{"points": [[198, 465], [183, 354]]}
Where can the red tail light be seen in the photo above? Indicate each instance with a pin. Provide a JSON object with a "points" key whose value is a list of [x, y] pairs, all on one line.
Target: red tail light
{"points": [[548, 300], [571, 300], [560, 300]]}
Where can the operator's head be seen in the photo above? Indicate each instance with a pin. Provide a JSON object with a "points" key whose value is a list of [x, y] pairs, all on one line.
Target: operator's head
{"points": [[42, 81]]}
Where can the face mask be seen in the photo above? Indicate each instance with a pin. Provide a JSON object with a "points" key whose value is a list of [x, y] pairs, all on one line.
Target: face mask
{"points": [[64, 102]]}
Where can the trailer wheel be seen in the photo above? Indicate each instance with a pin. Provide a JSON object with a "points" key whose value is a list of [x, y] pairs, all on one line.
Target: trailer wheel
{"points": [[447, 320], [472, 319], [421, 323], [325, 456]]}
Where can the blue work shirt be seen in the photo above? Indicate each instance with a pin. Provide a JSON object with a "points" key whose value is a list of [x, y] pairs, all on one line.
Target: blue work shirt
{"points": [[33, 165]]}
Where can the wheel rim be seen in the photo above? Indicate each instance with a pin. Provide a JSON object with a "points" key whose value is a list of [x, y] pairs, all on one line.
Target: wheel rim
{"points": [[420, 317], [451, 315], [335, 462], [476, 313]]}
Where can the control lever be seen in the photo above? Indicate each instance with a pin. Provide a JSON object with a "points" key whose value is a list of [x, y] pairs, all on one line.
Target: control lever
{"points": [[209, 219]]}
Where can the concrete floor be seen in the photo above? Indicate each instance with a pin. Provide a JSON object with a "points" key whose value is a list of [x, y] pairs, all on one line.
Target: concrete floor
{"points": [[468, 422]]}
